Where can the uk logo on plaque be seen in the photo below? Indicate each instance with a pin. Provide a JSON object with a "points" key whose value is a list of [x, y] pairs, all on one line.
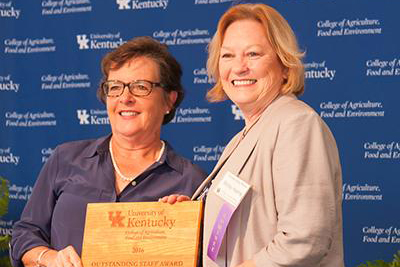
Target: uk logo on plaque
{"points": [[116, 221], [142, 234]]}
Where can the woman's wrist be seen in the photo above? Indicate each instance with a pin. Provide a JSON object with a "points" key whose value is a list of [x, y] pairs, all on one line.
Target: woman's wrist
{"points": [[47, 258], [39, 262]]}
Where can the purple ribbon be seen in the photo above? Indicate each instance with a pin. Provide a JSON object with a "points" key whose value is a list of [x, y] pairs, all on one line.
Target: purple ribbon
{"points": [[219, 229]]}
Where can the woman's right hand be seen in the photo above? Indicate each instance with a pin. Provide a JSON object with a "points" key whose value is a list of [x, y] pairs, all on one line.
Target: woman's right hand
{"points": [[67, 257], [172, 199]]}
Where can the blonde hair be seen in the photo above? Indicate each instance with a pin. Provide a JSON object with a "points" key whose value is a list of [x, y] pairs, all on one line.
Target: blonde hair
{"points": [[278, 32]]}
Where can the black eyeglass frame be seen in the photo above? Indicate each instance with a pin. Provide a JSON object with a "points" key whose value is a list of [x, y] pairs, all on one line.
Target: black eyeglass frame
{"points": [[129, 84]]}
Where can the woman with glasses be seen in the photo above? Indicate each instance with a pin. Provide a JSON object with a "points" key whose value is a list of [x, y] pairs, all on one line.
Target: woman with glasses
{"points": [[141, 88]]}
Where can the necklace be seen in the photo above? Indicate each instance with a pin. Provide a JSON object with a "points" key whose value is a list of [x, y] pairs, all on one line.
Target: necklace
{"points": [[123, 177], [245, 131]]}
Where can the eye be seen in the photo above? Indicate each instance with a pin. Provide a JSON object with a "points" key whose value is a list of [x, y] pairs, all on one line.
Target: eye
{"points": [[114, 86], [141, 87], [253, 54], [226, 55]]}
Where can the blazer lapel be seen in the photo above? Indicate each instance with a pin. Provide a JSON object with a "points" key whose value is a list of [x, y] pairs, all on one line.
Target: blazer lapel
{"points": [[244, 149], [224, 157], [247, 145]]}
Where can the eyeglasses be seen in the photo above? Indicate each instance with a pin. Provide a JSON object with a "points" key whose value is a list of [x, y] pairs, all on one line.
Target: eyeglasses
{"points": [[116, 88]]}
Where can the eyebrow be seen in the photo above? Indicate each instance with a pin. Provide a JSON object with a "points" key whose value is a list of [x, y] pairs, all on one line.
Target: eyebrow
{"points": [[247, 47]]}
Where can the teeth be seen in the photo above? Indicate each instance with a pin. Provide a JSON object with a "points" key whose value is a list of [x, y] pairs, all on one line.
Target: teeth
{"points": [[244, 82], [128, 113]]}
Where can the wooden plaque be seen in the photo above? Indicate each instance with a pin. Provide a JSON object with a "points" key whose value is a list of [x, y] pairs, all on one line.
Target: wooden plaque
{"points": [[142, 234]]}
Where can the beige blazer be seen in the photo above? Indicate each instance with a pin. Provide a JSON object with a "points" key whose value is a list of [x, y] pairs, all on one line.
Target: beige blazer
{"points": [[292, 215]]}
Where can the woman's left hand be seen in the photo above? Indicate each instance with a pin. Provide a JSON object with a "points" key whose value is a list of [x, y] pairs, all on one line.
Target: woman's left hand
{"points": [[172, 199], [249, 263]]}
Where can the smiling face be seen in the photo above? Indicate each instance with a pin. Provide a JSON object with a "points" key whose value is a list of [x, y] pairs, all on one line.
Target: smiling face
{"points": [[250, 71], [138, 117]]}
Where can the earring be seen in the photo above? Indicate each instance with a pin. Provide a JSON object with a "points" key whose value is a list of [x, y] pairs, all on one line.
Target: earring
{"points": [[167, 112]]}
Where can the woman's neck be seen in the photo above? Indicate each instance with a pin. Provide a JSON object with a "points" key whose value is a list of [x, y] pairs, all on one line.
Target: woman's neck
{"points": [[131, 149], [253, 113]]}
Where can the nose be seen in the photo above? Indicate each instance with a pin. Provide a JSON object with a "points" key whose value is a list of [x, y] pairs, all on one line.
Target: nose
{"points": [[240, 65], [126, 96]]}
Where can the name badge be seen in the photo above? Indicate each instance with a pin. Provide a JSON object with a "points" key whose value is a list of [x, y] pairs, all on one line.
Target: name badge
{"points": [[232, 190]]}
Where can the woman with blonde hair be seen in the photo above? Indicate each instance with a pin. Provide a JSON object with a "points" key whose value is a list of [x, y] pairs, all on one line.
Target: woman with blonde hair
{"points": [[274, 197]]}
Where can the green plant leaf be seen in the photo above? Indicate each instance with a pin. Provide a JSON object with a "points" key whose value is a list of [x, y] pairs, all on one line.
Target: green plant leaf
{"points": [[5, 261], [4, 196], [381, 263], [4, 240]]}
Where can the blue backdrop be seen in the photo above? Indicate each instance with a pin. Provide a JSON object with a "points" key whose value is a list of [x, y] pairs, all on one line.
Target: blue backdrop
{"points": [[50, 52]]}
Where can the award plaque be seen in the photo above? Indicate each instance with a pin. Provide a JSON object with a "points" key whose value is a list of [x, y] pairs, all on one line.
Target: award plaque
{"points": [[142, 234]]}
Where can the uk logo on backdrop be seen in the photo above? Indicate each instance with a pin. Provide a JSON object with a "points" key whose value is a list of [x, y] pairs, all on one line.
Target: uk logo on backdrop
{"points": [[83, 41], [237, 113], [92, 117], [94, 41], [141, 4], [83, 116], [123, 4]]}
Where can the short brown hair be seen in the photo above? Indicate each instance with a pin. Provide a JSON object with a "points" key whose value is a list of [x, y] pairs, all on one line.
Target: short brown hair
{"points": [[170, 69], [278, 32]]}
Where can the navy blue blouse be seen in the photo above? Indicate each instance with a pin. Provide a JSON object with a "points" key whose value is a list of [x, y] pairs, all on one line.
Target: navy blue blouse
{"points": [[79, 173]]}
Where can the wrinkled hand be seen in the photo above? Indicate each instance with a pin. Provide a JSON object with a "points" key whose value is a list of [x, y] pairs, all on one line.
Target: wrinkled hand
{"points": [[172, 199], [67, 257], [247, 264]]}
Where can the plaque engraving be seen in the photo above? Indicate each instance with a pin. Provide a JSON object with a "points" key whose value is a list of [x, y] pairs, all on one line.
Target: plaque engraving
{"points": [[142, 234]]}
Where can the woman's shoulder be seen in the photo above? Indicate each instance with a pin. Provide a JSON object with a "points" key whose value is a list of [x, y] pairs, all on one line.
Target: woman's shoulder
{"points": [[86, 147], [288, 112], [288, 108], [290, 104]]}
